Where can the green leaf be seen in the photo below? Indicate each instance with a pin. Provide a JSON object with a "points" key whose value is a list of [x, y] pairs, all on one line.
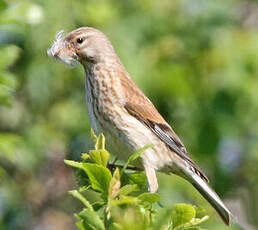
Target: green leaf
{"points": [[85, 156], [91, 219], [197, 221], [80, 226], [135, 156], [99, 140], [127, 189], [149, 198], [100, 143], [182, 214], [200, 212], [124, 200], [93, 135], [82, 180], [100, 157], [83, 188], [98, 205], [99, 176], [114, 184], [193, 222], [80, 197], [139, 179], [74, 164]]}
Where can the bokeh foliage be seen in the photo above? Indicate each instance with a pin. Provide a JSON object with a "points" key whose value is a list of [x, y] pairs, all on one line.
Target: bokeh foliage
{"points": [[196, 60]]}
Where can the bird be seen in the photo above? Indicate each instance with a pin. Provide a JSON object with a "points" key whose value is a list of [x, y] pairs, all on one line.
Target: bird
{"points": [[119, 109]]}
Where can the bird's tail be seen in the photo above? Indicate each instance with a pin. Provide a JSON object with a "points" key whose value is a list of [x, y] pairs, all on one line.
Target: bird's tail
{"points": [[210, 195]]}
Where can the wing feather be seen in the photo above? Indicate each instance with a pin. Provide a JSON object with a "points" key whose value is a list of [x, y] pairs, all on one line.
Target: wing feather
{"points": [[139, 106], [168, 136]]}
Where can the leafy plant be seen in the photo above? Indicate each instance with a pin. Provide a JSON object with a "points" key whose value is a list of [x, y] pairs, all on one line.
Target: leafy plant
{"points": [[123, 201]]}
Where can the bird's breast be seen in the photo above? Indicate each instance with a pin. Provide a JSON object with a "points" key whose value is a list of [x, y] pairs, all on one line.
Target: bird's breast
{"points": [[124, 133], [105, 117], [103, 100]]}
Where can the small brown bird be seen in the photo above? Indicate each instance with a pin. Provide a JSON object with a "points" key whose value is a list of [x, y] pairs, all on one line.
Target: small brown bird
{"points": [[128, 119]]}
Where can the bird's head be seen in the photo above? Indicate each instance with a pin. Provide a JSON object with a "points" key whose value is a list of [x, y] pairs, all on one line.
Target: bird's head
{"points": [[83, 45]]}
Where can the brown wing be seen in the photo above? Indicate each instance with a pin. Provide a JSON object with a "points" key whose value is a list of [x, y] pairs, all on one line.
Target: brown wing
{"points": [[139, 106]]}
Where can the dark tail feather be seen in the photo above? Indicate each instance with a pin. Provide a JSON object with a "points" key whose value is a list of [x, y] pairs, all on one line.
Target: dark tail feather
{"points": [[211, 196]]}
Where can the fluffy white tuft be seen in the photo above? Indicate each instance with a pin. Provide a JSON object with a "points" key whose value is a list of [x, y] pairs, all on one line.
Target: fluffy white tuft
{"points": [[57, 46]]}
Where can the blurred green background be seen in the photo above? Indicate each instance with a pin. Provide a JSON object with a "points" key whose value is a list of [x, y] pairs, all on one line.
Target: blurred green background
{"points": [[196, 60]]}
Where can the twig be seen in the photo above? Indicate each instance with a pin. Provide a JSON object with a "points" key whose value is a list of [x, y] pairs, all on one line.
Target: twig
{"points": [[111, 167]]}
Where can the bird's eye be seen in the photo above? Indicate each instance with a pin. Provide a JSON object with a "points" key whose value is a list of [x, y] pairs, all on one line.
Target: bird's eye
{"points": [[80, 40]]}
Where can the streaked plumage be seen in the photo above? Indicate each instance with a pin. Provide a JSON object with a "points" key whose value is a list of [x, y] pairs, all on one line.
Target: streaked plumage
{"points": [[119, 109]]}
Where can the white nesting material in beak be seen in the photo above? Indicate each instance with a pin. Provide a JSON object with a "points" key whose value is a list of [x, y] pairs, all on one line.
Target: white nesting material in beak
{"points": [[59, 50]]}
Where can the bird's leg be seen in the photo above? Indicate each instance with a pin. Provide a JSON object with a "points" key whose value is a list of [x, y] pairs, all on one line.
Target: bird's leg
{"points": [[152, 178]]}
